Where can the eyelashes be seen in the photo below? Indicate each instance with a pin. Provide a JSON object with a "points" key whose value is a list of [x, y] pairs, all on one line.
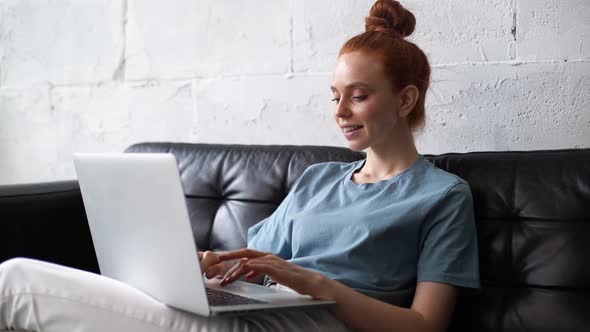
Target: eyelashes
{"points": [[355, 98]]}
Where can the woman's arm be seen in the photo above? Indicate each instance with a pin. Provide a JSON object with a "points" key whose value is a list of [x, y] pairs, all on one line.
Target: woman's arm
{"points": [[430, 312]]}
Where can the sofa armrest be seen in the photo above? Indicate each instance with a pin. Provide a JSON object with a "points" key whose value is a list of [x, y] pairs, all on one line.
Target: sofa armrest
{"points": [[46, 221]]}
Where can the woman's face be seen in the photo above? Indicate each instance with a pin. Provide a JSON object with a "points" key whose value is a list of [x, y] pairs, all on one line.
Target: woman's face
{"points": [[367, 107]]}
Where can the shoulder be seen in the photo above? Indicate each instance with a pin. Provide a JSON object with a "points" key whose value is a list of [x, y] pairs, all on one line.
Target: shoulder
{"points": [[451, 200], [444, 183], [444, 190]]}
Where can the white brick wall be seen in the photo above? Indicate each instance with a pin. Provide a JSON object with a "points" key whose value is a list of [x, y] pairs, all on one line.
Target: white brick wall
{"points": [[98, 75]]}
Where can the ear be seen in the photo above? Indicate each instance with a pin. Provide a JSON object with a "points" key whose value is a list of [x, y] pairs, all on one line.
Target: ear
{"points": [[408, 99]]}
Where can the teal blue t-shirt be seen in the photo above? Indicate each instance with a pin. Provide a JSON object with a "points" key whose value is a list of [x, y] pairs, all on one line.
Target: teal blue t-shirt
{"points": [[378, 238]]}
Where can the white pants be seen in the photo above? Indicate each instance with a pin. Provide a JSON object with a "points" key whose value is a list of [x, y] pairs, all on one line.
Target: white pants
{"points": [[46, 297]]}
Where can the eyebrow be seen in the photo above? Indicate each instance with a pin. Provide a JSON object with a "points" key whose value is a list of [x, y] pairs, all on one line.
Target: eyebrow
{"points": [[352, 85]]}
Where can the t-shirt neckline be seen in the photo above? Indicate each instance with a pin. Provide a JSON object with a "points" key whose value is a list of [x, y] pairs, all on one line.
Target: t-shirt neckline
{"points": [[419, 163]]}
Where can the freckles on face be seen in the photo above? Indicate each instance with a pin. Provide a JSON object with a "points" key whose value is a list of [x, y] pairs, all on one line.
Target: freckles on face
{"points": [[364, 99], [358, 77]]}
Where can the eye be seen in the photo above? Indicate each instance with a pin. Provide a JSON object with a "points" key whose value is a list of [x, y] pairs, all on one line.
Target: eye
{"points": [[359, 98], [337, 100]]}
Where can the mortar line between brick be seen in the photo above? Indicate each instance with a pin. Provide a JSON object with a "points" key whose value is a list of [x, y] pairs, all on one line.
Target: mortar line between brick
{"points": [[119, 73], [513, 47], [291, 43], [514, 20], [50, 88], [508, 62], [295, 74]]}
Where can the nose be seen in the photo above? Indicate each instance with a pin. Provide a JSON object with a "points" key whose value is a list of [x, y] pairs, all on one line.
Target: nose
{"points": [[342, 110]]}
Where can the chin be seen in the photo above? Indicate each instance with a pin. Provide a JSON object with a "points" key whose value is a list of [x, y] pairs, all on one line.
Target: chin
{"points": [[354, 146]]}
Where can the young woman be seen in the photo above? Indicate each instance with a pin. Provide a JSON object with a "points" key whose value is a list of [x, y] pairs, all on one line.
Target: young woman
{"points": [[390, 238]]}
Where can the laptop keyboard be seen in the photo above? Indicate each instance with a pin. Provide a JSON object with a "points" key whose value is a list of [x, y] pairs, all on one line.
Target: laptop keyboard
{"points": [[216, 297]]}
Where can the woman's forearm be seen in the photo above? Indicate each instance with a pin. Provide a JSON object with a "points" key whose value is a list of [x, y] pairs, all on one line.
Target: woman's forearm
{"points": [[363, 313], [358, 311]]}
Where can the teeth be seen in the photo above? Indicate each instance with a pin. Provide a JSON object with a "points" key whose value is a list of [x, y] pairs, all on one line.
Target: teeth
{"points": [[349, 129]]}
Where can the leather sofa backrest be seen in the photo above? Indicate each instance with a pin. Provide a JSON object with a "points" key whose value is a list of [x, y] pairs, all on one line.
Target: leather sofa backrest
{"points": [[230, 188], [533, 222], [532, 212]]}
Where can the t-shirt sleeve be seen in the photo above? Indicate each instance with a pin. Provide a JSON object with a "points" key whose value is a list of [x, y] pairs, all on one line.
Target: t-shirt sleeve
{"points": [[273, 234], [449, 241]]}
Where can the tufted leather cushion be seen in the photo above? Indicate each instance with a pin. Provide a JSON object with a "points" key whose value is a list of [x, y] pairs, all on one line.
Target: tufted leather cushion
{"points": [[230, 188], [532, 210], [533, 222]]}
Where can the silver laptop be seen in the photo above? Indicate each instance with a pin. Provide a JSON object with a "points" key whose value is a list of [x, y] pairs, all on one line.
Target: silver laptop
{"points": [[142, 236]]}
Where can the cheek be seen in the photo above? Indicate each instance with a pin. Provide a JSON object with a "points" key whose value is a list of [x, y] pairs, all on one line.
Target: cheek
{"points": [[377, 111]]}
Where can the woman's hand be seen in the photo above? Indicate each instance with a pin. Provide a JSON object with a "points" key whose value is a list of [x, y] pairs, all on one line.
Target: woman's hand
{"points": [[251, 263], [212, 266]]}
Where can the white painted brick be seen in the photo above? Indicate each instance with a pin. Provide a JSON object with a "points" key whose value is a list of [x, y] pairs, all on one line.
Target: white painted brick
{"points": [[207, 38], [108, 118], [548, 29], [320, 28], [506, 107], [266, 110], [239, 53], [65, 41], [28, 136], [449, 31]]}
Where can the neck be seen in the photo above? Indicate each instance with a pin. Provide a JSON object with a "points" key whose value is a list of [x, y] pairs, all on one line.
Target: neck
{"points": [[391, 158]]}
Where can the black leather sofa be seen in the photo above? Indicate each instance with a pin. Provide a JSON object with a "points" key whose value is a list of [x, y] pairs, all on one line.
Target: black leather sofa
{"points": [[532, 210]]}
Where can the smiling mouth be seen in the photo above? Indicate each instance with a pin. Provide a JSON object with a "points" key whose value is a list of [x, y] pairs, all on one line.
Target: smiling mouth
{"points": [[350, 129]]}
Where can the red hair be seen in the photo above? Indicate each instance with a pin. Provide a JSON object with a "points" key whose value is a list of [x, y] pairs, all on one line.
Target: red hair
{"points": [[404, 63]]}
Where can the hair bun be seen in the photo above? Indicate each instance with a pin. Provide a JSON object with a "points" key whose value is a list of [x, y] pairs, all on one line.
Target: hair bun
{"points": [[389, 15]]}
